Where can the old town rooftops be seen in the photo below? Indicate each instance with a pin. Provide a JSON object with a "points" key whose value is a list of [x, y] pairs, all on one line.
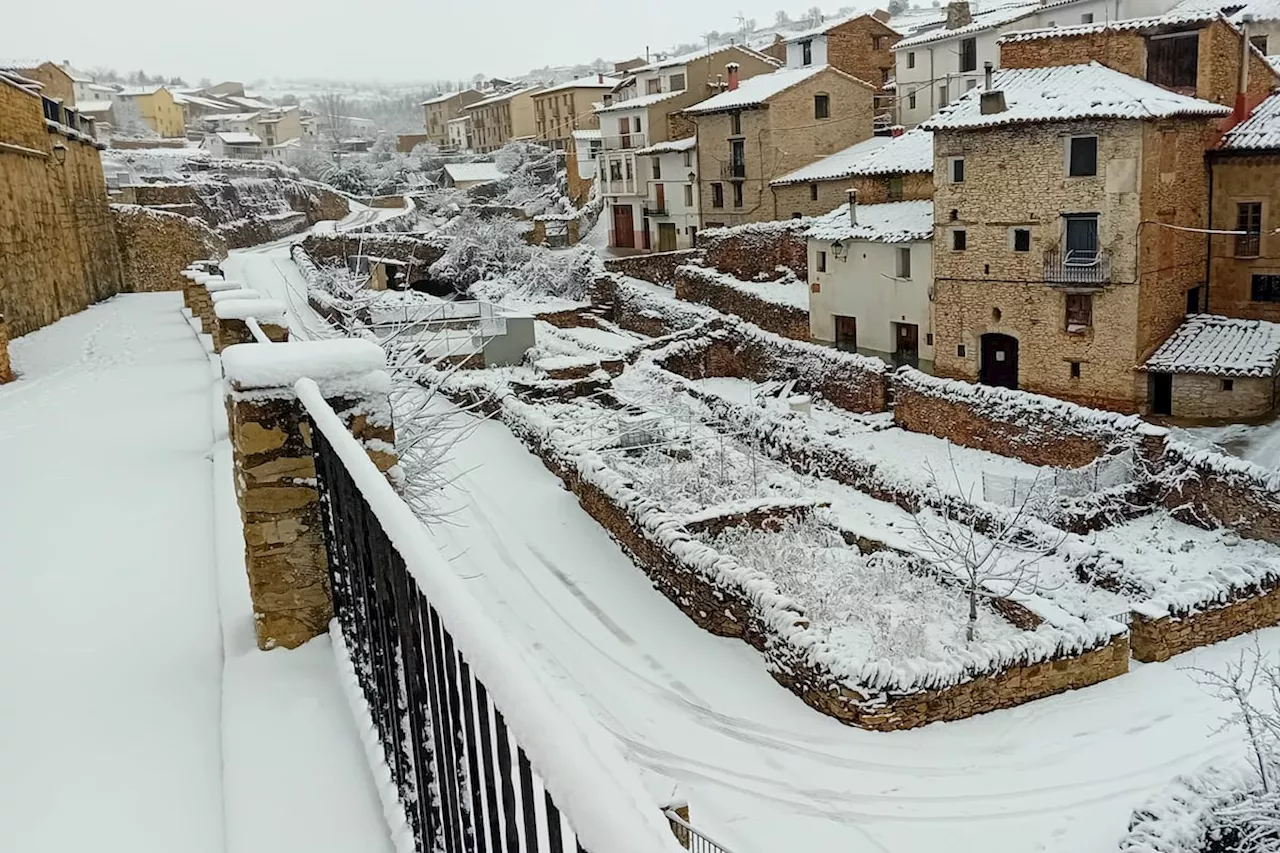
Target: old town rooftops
{"points": [[1066, 93]]}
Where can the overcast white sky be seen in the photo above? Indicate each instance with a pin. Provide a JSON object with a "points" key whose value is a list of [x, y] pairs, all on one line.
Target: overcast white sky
{"points": [[391, 40]]}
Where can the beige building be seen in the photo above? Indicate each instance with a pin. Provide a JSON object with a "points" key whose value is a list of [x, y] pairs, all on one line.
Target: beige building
{"points": [[763, 128], [1053, 271], [437, 112], [560, 110], [1218, 369], [157, 108], [881, 169], [56, 82], [501, 118], [860, 45]]}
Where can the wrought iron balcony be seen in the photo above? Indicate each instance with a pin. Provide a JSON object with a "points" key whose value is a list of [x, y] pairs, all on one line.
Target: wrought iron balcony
{"points": [[733, 171], [652, 208], [624, 142], [1077, 267], [1248, 245]]}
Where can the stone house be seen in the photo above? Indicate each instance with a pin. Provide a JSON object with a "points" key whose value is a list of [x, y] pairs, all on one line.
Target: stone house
{"points": [[670, 173], [940, 62], [860, 45], [871, 280], [1215, 368], [580, 164], [882, 168], [644, 110], [769, 126], [56, 82], [560, 110], [501, 118], [157, 108], [60, 252], [437, 112], [1244, 269], [1052, 271]]}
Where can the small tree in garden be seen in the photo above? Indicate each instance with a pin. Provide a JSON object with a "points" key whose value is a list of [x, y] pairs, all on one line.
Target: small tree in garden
{"points": [[999, 561]]}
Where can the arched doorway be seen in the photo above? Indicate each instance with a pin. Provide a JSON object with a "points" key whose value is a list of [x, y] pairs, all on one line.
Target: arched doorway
{"points": [[999, 364]]}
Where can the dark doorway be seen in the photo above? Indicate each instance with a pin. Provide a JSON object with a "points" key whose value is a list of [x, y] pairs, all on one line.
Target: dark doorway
{"points": [[666, 237], [644, 233], [1193, 300], [1161, 393], [624, 234], [847, 333], [906, 344], [1082, 238], [999, 361]]}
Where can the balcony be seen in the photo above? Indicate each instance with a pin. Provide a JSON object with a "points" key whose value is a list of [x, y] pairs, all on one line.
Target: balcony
{"points": [[652, 208], [733, 171], [624, 142], [1248, 245], [1077, 267]]}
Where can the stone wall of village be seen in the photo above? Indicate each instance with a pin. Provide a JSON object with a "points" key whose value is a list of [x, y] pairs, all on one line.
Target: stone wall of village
{"points": [[706, 287], [1243, 177], [1160, 639], [55, 227], [760, 251], [657, 267], [853, 48], [155, 245], [872, 189]]}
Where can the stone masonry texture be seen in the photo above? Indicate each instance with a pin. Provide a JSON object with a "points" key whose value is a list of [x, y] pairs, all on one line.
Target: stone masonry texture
{"points": [[154, 245], [1243, 177], [695, 285], [872, 189]]}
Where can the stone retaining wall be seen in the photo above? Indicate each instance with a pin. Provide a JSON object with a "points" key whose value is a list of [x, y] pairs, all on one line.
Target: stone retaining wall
{"points": [[1161, 639], [657, 267], [755, 252], [1211, 490], [6, 370], [705, 288], [336, 248], [155, 245]]}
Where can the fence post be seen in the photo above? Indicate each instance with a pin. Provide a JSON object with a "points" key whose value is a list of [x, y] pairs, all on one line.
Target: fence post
{"points": [[231, 315], [275, 472]]}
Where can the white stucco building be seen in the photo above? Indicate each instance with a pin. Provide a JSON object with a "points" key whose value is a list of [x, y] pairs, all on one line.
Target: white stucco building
{"points": [[670, 174], [459, 133], [871, 280]]}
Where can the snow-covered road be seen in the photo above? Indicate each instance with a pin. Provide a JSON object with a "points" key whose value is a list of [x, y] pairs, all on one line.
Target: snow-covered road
{"points": [[136, 714]]}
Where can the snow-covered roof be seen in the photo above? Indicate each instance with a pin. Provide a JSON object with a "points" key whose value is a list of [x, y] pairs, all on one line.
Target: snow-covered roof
{"points": [[230, 117], [759, 89], [879, 155], [93, 106], [201, 101], [440, 99], [642, 102], [1261, 130], [470, 172], [12, 78], [21, 64], [828, 26], [594, 81], [1173, 18], [890, 222], [981, 21], [251, 103], [1219, 346], [1259, 10], [671, 146], [838, 165], [1069, 92], [500, 97], [686, 58], [138, 91], [234, 138], [590, 134]]}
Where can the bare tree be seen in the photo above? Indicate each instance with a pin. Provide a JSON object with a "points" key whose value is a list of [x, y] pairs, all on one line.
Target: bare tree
{"points": [[813, 17], [1000, 561], [332, 107]]}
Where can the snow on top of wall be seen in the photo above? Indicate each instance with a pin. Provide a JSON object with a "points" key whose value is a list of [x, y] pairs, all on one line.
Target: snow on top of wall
{"points": [[1219, 346], [789, 292], [1261, 130], [1068, 92], [982, 21], [890, 222], [264, 310], [637, 103], [261, 366], [671, 146], [474, 171], [760, 89], [770, 228]]}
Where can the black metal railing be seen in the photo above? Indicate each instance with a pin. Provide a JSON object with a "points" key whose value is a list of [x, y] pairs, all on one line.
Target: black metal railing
{"points": [[1077, 267], [731, 170], [690, 838], [1249, 244], [466, 783]]}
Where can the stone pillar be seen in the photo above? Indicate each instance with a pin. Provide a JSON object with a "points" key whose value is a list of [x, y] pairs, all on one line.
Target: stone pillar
{"points": [[232, 315], [6, 369], [275, 471], [204, 310]]}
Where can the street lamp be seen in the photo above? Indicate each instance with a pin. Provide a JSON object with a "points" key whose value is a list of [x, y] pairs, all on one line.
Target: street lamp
{"points": [[60, 152]]}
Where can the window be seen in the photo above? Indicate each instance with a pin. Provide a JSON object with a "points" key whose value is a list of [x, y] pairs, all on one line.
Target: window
{"points": [[737, 193], [657, 168], [717, 195], [928, 338], [970, 84], [1260, 42], [942, 95], [1022, 239], [738, 158], [821, 106], [1079, 311], [911, 59], [884, 75], [956, 170], [627, 165], [1266, 288], [1248, 219], [688, 195], [688, 159], [1173, 61], [959, 239], [806, 53], [1228, 385], [653, 87], [822, 261], [813, 192], [1075, 370], [911, 101], [893, 190], [1082, 156], [1086, 18], [615, 171], [968, 55], [879, 42], [735, 124], [903, 262], [795, 214], [960, 350], [676, 82]]}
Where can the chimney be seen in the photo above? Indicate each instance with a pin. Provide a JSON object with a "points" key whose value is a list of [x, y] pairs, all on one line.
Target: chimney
{"points": [[958, 14], [853, 207], [991, 100], [986, 72], [732, 68], [881, 15], [600, 78], [1241, 111]]}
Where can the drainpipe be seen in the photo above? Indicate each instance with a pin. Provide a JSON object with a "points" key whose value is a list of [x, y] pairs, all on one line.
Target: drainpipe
{"points": [[1208, 247], [853, 207], [1242, 98]]}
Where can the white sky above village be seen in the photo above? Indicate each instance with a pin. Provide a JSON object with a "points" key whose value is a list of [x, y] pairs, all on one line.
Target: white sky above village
{"points": [[386, 40]]}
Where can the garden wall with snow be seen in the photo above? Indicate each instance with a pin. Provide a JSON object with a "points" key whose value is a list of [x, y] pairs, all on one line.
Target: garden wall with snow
{"points": [[781, 306]]}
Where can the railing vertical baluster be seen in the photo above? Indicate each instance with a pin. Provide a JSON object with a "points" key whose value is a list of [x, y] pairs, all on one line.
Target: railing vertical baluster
{"points": [[456, 742], [555, 832], [527, 802], [472, 745], [411, 649], [384, 657], [507, 781], [446, 777], [422, 717], [483, 717]]}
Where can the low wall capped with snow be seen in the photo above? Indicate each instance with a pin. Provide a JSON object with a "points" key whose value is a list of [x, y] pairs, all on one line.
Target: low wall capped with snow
{"points": [[759, 251], [781, 306], [346, 368]]}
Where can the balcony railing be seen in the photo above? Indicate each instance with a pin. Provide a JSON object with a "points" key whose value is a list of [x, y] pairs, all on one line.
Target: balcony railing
{"points": [[654, 209], [733, 171], [1083, 267], [1248, 245], [625, 141]]}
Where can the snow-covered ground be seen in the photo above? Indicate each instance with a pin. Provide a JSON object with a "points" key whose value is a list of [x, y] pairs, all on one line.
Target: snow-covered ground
{"points": [[138, 715], [1258, 443]]}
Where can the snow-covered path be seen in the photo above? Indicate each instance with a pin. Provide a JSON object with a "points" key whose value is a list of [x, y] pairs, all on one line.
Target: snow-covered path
{"points": [[110, 733], [137, 714]]}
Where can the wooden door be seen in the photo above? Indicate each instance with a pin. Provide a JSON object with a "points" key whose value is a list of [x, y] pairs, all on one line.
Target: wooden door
{"points": [[847, 333], [666, 237], [624, 230], [999, 361], [906, 339], [660, 196], [624, 129]]}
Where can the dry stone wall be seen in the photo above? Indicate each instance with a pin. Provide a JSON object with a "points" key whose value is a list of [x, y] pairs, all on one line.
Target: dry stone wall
{"points": [[755, 252], [1162, 638], [694, 284], [155, 245], [657, 267]]}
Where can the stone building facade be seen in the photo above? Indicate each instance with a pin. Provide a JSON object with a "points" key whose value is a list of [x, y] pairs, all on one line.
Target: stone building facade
{"points": [[741, 150], [500, 118], [437, 112], [560, 110], [1018, 302], [59, 253]]}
